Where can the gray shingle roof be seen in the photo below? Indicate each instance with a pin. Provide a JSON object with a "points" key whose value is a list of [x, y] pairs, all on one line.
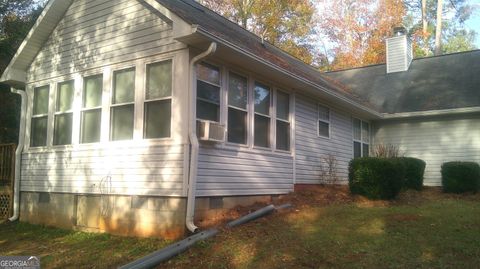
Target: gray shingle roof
{"points": [[432, 83], [194, 13]]}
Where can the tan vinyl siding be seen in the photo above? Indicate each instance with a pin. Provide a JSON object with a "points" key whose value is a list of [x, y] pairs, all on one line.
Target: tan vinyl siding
{"points": [[434, 140], [224, 172], [311, 149], [135, 170], [99, 33]]}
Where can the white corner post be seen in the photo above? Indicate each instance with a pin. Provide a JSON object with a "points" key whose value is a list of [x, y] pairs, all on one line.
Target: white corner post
{"points": [[192, 135], [18, 154]]}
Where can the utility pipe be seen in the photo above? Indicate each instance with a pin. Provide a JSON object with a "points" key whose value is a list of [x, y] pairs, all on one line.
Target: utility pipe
{"points": [[18, 154], [192, 180]]}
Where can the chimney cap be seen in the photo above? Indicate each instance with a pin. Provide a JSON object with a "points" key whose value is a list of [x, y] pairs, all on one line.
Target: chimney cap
{"points": [[399, 31]]}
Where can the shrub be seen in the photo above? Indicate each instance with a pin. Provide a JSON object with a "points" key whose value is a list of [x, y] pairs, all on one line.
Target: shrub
{"points": [[459, 177], [414, 170], [386, 151], [376, 178]]}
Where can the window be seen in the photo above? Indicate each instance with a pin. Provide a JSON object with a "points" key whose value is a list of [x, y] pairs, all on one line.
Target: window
{"points": [[237, 109], [283, 121], [91, 109], [208, 92], [158, 100], [38, 135], [361, 138], [323, 121], [122, 108], [262, 96], [62, 134]]}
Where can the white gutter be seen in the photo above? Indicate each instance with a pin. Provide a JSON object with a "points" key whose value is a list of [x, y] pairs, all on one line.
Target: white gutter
{"points": [[192, 180], [427, 113], [308, 82], [18, 154]]}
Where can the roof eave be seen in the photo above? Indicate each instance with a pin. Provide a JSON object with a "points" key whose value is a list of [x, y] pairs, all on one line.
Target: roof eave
{"points": [[430, 113], [371, 112]]}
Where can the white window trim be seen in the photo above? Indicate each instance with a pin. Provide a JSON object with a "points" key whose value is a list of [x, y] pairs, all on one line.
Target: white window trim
{"points": [[32, 116], [289, 120], [220, 104], [82, 109], [59, 113], [143, 99], [134, 103], [271, 137], [361, 141], [329, 122], [246, 109]]}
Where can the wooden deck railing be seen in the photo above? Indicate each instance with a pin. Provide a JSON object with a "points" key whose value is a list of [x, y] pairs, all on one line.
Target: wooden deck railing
{"points": [[7, 174]]}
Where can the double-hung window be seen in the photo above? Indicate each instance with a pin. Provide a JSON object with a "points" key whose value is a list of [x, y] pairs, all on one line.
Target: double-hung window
{"points": [[39, 123], [208, 92], [91, 109], [283, 121], [361, 138], [262, 100], [62, 134], [158, 100], [237, 109], [323, 121], [123, 106]]}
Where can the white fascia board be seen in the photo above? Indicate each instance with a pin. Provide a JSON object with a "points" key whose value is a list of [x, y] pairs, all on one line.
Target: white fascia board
{"points": [[14, 76], [428, 113]]}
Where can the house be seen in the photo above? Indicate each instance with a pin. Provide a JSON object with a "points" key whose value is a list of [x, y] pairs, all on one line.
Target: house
{"points": [[142, 117]]}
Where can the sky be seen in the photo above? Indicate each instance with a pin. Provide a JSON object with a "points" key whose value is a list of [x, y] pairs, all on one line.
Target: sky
{"points": [[474, 22]]}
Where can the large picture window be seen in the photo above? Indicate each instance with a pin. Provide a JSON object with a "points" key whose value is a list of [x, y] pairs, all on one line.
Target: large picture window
{"points": [[262, 99], [323, 121], [158, 100], [91, 109], [38, 135], [361, 138], [122, 108], [208, 92], [63, 113], [237, 109], [283, 121]]}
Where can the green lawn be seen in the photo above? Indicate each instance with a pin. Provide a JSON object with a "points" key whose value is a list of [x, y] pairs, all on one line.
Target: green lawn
{"points": [[414, 232], [58, 248]]}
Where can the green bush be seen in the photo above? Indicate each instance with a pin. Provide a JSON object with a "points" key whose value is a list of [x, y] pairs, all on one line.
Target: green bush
{"points": [[376, 178], [414, 170], [459, 177]]}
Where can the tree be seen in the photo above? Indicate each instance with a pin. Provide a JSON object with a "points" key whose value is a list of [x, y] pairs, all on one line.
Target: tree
{"points": [[357, 29], [438, 30], [16, 19], [287, 24]]}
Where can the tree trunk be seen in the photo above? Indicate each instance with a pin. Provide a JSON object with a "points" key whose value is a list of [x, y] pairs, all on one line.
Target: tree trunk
{"points": [[438, 31], [424, 27]]}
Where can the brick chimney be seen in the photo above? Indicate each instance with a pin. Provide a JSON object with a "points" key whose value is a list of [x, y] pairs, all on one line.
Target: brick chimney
{"points": [[399, 51]]}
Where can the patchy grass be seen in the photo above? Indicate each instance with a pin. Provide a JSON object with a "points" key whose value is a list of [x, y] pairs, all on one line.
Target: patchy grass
{"points": [[419, 230], [58, 248], [328, 228]]}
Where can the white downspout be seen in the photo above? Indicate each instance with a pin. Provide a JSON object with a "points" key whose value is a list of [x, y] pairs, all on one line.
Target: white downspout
{"points": [[18, 154], [192, 135]]}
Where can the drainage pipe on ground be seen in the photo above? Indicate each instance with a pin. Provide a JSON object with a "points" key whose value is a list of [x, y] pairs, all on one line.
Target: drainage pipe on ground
{"points": [[164, 254], [18, 155], [192, 179], [168, 252]]}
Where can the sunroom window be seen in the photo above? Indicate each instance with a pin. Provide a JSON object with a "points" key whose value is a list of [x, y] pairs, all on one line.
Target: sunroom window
{"points": [[262, 97], [38, 135], [122, 108], [361, 138], [208, 92], [91, 109], [283, 121], [158, 100], [237, 109], [323, 121], [62, 134]]}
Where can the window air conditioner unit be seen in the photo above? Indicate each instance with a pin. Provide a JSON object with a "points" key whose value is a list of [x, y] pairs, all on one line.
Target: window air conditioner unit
{"points": [[210, 131]]}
